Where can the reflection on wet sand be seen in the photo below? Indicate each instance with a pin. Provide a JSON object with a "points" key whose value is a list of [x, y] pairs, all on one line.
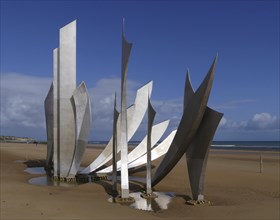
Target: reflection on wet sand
{"points": [[158, 203], [35, 170], [152, 204]]}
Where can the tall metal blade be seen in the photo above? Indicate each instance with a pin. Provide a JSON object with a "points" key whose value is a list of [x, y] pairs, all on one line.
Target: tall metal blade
{"points": [[151, 116], [126, 48]]}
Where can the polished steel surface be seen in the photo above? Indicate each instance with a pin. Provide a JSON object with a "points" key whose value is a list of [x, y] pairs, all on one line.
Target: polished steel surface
{"points": [[191, 119], [197, 153], [156, 152], [141, 149], [67, 85], [82, 109], [49, 125], [151, 117], [126, 49], [135, 115], [56, 165], [68, 109], [115, 152]]}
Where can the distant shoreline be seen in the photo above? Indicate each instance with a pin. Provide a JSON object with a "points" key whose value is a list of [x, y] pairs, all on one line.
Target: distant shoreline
{"points": [[214, 147]]}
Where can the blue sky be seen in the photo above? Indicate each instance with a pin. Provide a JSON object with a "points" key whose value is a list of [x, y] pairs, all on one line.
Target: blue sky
{"points": [[168, 37]]}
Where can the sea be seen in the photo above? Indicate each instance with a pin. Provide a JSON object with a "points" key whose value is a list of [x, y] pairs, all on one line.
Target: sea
{"points": [[226, 145]]}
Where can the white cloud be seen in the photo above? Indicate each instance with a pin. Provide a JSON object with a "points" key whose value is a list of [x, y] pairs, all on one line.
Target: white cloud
{"points": [[22, 99], [22, 105], [260, 121], [263, 121], [22, 110], [223, 122]]}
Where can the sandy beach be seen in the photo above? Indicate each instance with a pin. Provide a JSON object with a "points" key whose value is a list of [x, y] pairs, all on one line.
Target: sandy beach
{"points": [[233, 184]]}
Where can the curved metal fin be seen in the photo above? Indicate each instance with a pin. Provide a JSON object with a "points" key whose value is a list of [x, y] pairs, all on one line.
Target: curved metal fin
{"points": [[141, 149], [191, 119], [82, 109], [197, 153], [157, 132], [135, 115], [156, 152], [151, 116], [49, 125], [189, 92], [115, 152], [126, 48]]}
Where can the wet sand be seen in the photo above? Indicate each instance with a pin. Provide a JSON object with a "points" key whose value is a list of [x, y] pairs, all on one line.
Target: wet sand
{"points": [[233, 184]]}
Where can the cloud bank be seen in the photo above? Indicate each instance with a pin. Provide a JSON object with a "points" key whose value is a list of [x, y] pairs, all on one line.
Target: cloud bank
{"points": [[261, 126], [22, 104], [22, 111], [261, 121]]}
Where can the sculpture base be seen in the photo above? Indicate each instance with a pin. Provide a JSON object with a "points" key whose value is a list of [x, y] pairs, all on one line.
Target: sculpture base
{"points": [[198, 202], [65, 179], [79, 179], [124, 200], [148, 195], [98, 178]]}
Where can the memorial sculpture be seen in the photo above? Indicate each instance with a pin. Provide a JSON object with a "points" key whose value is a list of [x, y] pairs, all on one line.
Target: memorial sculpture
{"points": [[135, 115], [193, 136], [126, 48], [115, 152], [68, 121], [197, 153], [67, 109], [151, 116]]}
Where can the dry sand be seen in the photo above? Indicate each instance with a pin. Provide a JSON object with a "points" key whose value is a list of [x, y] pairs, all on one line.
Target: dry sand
{"points": [[233, 183]]}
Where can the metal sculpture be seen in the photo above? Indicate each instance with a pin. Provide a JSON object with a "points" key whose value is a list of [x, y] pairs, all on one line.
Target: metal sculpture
{"points": [[56, 164], [66, 87], [197, 153], [115, 153], [68, 110], [68, 121], [135, 115], [82, 108], [151, 116], [49, 126], [156, 152], [126, 48], [141, 148], [187, 128]]}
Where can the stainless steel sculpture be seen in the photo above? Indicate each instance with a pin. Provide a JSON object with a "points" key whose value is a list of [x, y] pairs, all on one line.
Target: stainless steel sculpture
{"points": [[191, 119], [68, 121], [115, 141], [68, 109], [66, 87], [126, 48], [56, 164], [156, 152], [141, 149], [135, 115], [197, 153], [49, 126], [151, 116], [82, 108]]}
